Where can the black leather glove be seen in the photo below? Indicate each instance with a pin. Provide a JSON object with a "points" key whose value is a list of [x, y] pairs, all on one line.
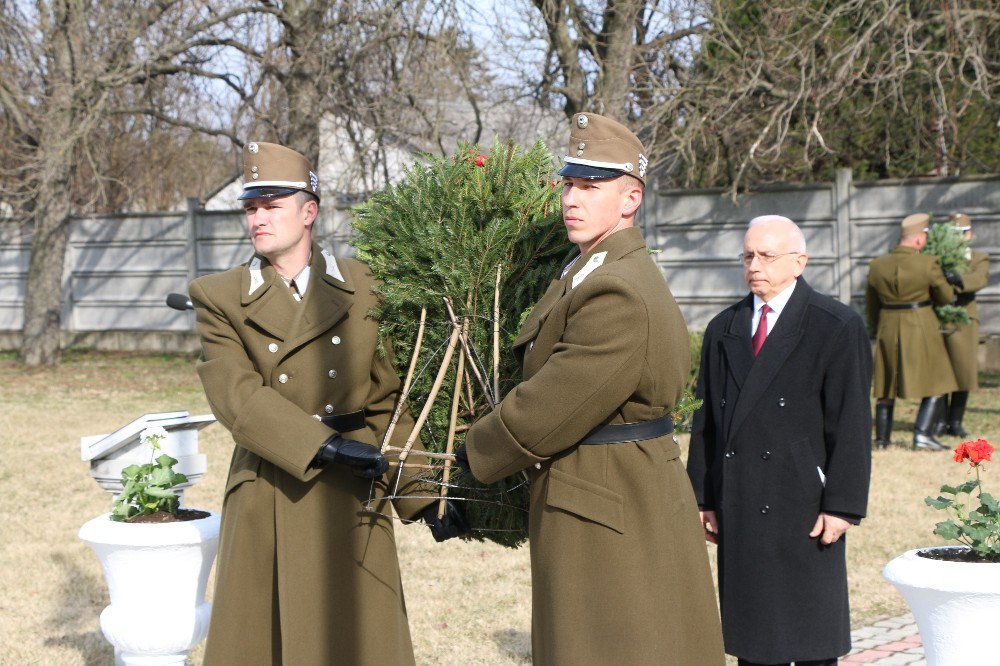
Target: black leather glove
{"points": [[451, 524], [954, 279], [462, 459], [363, 459]]}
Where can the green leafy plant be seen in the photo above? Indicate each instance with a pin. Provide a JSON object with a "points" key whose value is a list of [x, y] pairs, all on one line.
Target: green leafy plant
{"points": [[148, 488], [978, 528], [951, 314], [949, 245]]}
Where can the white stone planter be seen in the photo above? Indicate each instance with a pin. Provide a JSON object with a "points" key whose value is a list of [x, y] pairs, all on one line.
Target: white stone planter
{"points": [[956, 606], [156, 575]]}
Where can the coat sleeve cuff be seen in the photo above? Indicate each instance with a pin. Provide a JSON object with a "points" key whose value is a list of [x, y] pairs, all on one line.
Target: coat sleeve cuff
{"points": [[493, 452]]}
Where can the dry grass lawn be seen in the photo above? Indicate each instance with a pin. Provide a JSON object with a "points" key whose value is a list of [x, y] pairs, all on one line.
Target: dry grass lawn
{"points": [[52, 590]]}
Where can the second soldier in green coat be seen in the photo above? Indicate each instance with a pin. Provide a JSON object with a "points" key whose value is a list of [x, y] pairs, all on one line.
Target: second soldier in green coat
{"points": [[910, 357], [963, 342], [619, 567]]}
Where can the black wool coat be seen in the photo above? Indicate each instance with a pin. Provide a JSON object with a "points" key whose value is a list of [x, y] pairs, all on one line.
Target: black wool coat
{"points": [[780, 438]]}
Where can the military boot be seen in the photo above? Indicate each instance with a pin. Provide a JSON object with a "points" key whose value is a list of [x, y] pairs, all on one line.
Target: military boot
{"points": [[923, 437], [956, 413], [883, 423], [941, 422]]}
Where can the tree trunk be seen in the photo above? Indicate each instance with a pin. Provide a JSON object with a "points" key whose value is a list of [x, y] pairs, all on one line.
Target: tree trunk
{"points": [[616, 53], [302, 20], [43, 297]]}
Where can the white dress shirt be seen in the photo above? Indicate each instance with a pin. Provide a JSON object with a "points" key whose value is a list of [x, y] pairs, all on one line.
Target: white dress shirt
{"points": [[777, 304]]}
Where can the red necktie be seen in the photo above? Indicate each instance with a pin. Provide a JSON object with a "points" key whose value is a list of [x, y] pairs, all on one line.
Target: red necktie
{"points": [[761, 333]]}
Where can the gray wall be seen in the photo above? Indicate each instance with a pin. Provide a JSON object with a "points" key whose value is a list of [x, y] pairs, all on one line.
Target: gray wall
{"points": [[846, 224], [121, 267]]}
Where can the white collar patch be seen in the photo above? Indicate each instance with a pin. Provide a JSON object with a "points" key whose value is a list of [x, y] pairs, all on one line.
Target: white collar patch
{"points": [[256, 277], [595, 262], [332, 269]]}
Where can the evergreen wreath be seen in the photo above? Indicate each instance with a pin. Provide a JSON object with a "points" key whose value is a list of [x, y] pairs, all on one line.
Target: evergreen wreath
{"points": [[472, 232], [948, 244]]}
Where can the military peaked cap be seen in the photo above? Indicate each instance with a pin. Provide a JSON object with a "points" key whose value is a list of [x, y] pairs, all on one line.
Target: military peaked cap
{"points": [[600, 147], [271, 170]]}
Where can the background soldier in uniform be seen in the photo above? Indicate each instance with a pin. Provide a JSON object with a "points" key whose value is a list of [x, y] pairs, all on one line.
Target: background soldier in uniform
{"points": [[910, 357], [619, 569], [963, 342], [290, 368]]}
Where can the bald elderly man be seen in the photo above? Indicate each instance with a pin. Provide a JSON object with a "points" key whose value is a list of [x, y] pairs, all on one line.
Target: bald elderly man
{"points": [[780, 454]]}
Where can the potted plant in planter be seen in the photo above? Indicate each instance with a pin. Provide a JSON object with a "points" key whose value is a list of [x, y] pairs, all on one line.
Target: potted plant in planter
{"points": [[154, 552], [954, 591]]}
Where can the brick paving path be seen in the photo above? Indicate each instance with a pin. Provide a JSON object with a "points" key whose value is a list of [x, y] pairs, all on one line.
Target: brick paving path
{"points": [[890, 642]]}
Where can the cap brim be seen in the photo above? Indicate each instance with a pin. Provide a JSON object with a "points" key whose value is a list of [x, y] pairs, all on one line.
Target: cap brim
{"points": [[265, 192], [571, 170]]}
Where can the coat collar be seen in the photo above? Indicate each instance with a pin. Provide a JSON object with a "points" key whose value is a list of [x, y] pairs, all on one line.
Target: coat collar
{"points": [[270, 306], [760, 371], [616, 246]]}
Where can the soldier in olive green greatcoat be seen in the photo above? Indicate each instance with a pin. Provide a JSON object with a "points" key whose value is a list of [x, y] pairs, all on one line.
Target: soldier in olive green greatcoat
{"points": [[290, 367], [619, 567], [963, 342], [910, 356]]}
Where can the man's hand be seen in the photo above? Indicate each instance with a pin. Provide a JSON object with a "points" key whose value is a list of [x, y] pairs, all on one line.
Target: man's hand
{"points": [[954, 279], [364, 459], [711, 525], [462, 459], [451, 524], [830, 527]]}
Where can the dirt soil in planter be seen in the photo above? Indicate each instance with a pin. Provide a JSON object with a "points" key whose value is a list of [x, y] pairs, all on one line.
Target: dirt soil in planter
{"points": [[182, 515], [954, 555]]}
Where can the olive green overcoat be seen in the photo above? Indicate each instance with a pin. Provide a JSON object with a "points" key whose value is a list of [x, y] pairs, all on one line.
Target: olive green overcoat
{"points": [[619, 565], [304, 575], [963, 342], [910, 358]]}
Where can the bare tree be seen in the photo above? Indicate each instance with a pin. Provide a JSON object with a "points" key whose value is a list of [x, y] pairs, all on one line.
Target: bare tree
{"points": [[792, 91], [615, 57], [66, 67], [736, 92], [87, 85]]}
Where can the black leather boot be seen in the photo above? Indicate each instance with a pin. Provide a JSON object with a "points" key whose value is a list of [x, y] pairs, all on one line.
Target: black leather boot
{"points": [[957, 412], [941, 422], [883, 424], [923, 437]]}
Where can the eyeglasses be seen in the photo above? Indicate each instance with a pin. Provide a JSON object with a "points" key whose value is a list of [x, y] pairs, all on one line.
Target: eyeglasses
{"points": [[765, 258]]}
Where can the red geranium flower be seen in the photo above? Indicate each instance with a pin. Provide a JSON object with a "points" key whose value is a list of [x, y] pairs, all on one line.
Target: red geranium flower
{"points": [[481, 160], [975, 452]]}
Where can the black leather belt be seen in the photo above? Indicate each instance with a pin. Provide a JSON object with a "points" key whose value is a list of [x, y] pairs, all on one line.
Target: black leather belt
{"points": [[964, 299], [345, 422], [616, 433], [906, 306]]}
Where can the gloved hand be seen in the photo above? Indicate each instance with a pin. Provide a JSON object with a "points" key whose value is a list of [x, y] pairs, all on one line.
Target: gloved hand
{"points": [[451, 524], [462, 459], [363, 459], [954, 279]]}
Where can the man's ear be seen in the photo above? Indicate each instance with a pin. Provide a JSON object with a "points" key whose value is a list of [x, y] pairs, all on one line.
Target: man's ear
{"points": [[631, 200], [310, 212], [800, 263]]}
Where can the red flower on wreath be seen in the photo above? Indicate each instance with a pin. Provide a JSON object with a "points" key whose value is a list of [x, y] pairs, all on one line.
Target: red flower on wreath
{"points": [[481, 160], [975, 452]]}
